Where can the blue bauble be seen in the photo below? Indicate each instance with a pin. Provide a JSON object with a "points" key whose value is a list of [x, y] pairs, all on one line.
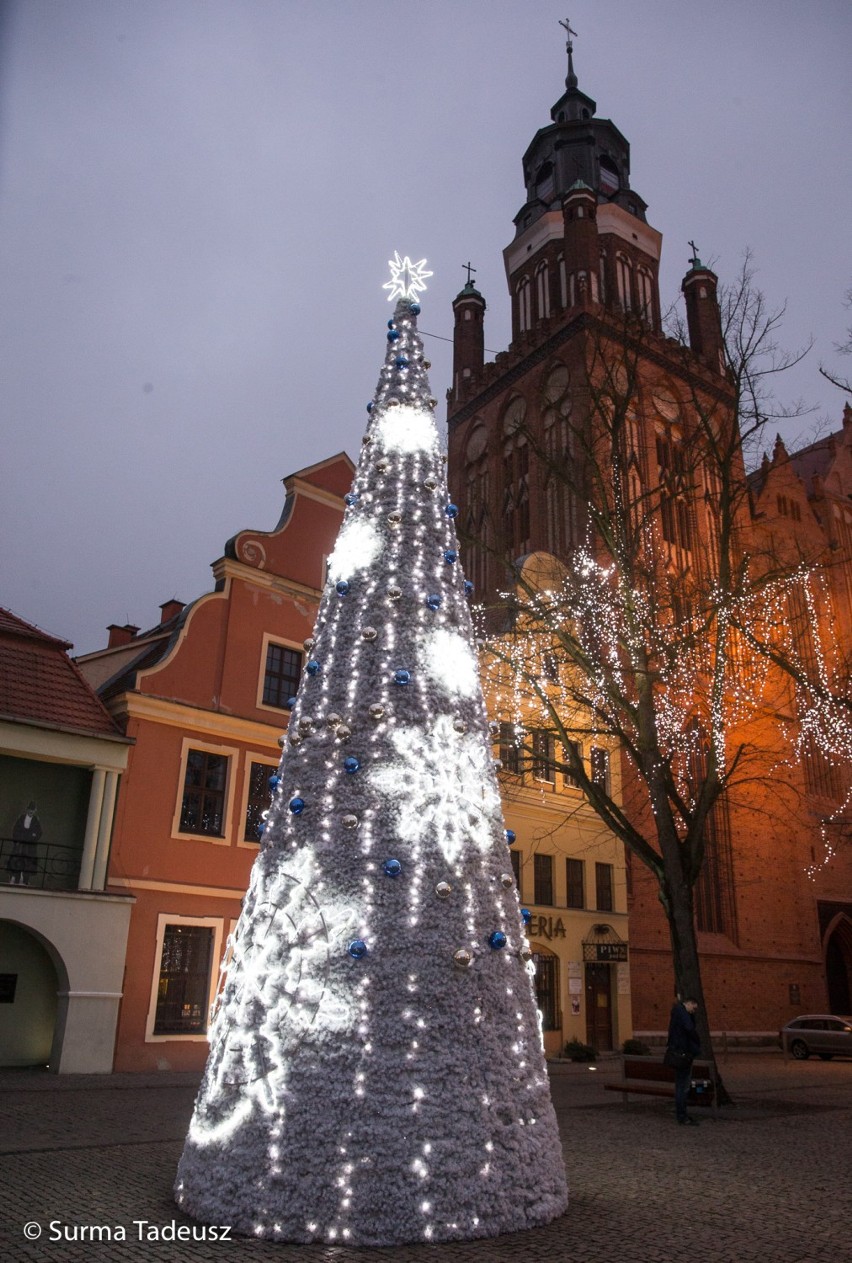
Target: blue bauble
{"points": [[313, 667], [497, 941], [371, 405], [351, 498], [392, 868], [357, 948], [452, 510], [510, 836], [274, 781], [351, 764], [393, 336], [433, 601], [526, 916], [402, 676], [341, 587], [401, 361], [297, 806], [468, 588], [291, 702], [450, 556], [391, 323], [415, 309]]}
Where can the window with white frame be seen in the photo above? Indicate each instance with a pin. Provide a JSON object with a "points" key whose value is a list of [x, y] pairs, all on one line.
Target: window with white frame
{"points": [[204, 793], [185, 972], [205, 790], [281, 673]]}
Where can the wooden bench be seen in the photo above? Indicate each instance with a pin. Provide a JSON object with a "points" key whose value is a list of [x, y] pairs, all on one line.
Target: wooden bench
{"points": [[649, 1077]]}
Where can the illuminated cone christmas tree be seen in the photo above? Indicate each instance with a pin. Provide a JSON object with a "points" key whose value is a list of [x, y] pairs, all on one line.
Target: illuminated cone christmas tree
{"points": [[376, 1072]]}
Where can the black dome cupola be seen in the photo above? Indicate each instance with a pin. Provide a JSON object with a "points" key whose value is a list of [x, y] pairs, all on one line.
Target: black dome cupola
{"points": [[576, 146]]}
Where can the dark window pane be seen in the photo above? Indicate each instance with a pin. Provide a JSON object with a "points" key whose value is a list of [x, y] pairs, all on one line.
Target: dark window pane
{"points": [[543, 879], [258, 799], [184, 987], [569, 777], [281, 679], [599, 762], [576, 883], [547, 990], [542, 756], [203, 806], [603, 887], [516, 868], [510, 753]]}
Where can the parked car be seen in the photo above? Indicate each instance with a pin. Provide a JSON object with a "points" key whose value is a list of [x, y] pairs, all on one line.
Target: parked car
{"points": [[821, 1033]]}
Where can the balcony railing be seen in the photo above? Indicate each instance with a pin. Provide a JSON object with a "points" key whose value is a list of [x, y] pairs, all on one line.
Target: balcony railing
{"points": [[39, 865]]}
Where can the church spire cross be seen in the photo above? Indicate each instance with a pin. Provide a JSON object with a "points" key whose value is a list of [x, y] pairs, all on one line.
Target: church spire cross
{"points": [[468, 267], [569, 32], [695, 261], [570, 36]]}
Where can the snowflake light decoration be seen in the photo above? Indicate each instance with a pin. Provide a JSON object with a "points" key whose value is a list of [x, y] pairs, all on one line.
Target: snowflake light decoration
{"points": [[436, 781], [407, 279]]}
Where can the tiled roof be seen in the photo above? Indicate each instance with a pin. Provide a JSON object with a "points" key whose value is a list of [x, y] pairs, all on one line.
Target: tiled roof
{"points": [[10, 622], [40, 684]]}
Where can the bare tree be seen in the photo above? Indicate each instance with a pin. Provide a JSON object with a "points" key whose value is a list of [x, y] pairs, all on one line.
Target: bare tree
{"points": [[842, 348], [670, 630]]}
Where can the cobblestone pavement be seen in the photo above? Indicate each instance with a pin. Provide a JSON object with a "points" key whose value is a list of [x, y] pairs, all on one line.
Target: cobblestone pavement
{"points": [[766, 1181]]}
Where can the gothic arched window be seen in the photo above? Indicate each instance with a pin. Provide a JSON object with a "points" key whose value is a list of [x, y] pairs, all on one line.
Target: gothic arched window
{"points": [[524, 305]]}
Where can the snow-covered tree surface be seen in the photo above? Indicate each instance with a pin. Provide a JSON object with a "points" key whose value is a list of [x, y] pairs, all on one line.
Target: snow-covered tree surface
{"points": [[376, 1072]]}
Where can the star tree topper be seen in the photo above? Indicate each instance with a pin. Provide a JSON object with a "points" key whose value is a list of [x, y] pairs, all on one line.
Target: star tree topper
{"points": [[407, 279]]}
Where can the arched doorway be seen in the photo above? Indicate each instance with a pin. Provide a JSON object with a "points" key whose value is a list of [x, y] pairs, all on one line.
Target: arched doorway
{"points": [[838, 966], [28, 998]]}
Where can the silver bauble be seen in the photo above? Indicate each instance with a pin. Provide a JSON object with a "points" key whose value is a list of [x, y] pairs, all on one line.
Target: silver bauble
{"points": [[460, 725], [462, 959], [430, 484], [349, 821], [308, 644], [368, 633], [394, 593], [443, 890], [377, 710], [333, 719], [343, 731], [395, 517], [507, 881], [306, 725]]}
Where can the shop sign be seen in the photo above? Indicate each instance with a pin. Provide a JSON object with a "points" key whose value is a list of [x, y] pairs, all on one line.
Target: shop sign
{"points": [[546, 927], [610, 951]]}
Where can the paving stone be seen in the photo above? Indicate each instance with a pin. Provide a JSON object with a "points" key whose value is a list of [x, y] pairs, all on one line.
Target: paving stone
{"points": [[763, 1182]]}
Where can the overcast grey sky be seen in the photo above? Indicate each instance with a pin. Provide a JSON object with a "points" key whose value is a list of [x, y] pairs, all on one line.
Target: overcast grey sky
{"points": [[198, 199]]}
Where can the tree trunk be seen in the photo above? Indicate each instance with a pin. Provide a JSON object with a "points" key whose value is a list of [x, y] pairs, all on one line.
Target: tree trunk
{"points": [[676, 899]]}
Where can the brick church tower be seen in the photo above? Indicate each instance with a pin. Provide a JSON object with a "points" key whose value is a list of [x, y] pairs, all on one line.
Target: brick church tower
{"points": [[583, 266], [582, 271]]}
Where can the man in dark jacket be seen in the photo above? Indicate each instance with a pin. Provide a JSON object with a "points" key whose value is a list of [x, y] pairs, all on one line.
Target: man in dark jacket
{"points": [[684, 1045]]}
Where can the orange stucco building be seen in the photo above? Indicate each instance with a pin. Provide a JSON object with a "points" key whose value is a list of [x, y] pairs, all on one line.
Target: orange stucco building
{"points": [[203, 696]]}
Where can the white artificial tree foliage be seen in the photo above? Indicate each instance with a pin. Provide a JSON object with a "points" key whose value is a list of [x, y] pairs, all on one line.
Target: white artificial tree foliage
{"points": [[376, 1071]]}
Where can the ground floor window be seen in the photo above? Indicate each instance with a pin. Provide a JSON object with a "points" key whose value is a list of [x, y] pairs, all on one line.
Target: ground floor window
{"points": [[547, 989], [183, 989]]}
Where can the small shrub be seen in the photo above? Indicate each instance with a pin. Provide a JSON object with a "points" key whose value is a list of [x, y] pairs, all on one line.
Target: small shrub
{"points": [[635, 1048], [580, 1052]]}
